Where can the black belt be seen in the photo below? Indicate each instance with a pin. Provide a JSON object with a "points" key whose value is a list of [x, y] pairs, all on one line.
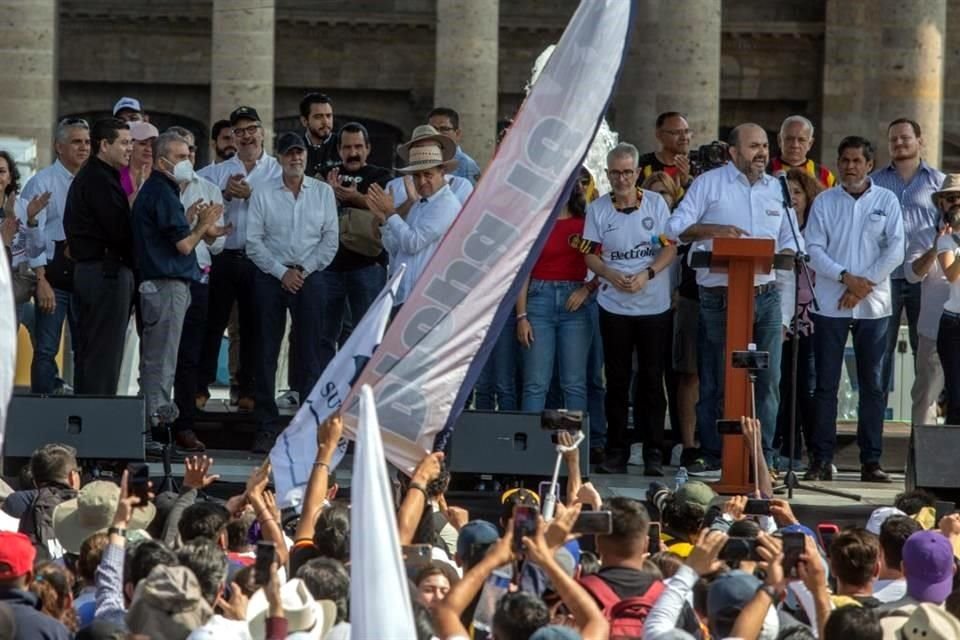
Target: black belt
{"points": [[757, 290], [951, 314], [235, 252]]}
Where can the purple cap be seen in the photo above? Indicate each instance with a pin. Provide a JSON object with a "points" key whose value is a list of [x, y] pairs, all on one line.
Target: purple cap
{"points": [[928, 566]]}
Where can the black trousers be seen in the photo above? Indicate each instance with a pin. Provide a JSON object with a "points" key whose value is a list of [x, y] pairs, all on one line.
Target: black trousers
{"points": [[231, 279], [650, 338], [102, 294], [188, 355]]}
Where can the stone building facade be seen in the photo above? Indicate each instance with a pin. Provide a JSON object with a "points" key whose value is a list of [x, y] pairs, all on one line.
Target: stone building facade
{"points": [[849, 65]]}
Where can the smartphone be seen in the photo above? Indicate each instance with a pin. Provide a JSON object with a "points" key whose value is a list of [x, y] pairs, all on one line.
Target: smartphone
{"points": [[266, 553], [944, 508], [138, 481], [544, 490], [594, 523], [793, 546], [416, 556], [726, 427], [826, 531], [757, 507], [751, 359], [524, 524], [653, 545], [736, 550]]}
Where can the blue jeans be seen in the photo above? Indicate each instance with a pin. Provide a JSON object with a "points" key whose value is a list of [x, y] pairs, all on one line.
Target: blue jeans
{"points": [[829, 340], [47, 333], [903, 294], [357, 288], [496, 387], [711, 361], [561, 337]]}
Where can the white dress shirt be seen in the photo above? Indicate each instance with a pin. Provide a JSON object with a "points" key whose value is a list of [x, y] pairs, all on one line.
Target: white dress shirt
{"points": [[951, 244], [202, 189], [265, 171], [725, 196], [461, 187], [863, 236], [934, 289], [413, 241], [283, 230], [57, 180], [28, 242]]}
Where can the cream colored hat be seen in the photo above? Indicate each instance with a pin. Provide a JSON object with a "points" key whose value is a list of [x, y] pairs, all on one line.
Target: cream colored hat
{"points": [[419, 156], [308, 617], [951, 183], [91, 512]]}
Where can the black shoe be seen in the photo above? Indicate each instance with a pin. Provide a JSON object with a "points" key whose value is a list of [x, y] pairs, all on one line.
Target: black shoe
{"points": [[153, 450], [653, 469], [701, 468], [613, 462], [689, 456], [819, 470], [596, 455], [263, 442], [873, 473]]}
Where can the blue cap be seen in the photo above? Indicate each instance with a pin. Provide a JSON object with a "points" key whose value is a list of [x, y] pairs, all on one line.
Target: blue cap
{"points": [[474, 539]]}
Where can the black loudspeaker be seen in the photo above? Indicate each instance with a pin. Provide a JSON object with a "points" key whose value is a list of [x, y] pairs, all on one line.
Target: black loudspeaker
{"points": [[508, 443], [930, 465], [98, 427]]}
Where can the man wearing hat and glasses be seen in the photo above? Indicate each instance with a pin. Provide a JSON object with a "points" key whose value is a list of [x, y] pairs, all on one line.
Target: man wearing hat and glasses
{"points": [[413, 239], [292, 235], [948, 250]]}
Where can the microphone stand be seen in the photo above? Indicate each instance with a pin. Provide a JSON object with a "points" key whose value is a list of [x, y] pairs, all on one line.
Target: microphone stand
{"points": [[800, 266]]}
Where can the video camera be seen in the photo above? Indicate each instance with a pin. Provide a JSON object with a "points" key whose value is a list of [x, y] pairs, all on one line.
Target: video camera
{"points": [[709, 156]]}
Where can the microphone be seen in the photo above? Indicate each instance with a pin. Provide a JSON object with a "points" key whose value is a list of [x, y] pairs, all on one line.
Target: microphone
{"points": [[787, 200]]}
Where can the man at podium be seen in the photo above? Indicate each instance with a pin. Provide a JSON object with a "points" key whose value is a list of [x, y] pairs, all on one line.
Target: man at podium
{"points": [[737, 200]]}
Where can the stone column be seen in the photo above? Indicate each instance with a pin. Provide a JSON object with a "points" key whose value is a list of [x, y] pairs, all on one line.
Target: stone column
{"points": [[688, 69], [242, 60], [466, 71], [909, 67], [636, 97], [28, 45], [951, 88]]}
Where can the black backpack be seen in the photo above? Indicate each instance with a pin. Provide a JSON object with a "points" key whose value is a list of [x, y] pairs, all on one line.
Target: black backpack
{"points": [[37, 522]]}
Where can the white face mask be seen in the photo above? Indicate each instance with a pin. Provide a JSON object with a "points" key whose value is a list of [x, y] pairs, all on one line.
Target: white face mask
{"points": [[182, 171]]}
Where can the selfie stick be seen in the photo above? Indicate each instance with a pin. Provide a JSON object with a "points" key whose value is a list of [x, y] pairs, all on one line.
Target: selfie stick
{"points": [[550, 502]]}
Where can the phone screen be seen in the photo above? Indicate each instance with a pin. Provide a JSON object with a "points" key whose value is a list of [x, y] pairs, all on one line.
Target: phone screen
{"points": [[266, 552], [653, 545], [793, 546], [757, 507], [417, 555], [524, 524], [138, 481], [594, 523]]}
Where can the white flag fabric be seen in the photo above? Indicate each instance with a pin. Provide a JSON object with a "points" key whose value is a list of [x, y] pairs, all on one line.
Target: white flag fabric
{"points": [[8, 343], [379, 596], [295, 450], [434, 350]]}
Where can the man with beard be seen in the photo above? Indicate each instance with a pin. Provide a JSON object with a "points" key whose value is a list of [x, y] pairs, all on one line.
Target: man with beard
{"points": [[922, 266], [948, 250], [737, 200], [673, 158], [353, 280], [316, 116], [855, 238], [796, 140], [914, 182]]}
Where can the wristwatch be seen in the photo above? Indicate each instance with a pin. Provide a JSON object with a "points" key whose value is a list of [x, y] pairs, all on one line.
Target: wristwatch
{"points": [[117, 530], [650, 273], [842, 273], [770, 591]]}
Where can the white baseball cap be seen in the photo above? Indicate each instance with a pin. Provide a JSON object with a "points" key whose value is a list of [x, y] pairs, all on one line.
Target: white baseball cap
{"points": [[127, 103]]}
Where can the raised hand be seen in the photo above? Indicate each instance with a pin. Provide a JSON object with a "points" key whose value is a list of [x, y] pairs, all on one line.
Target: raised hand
{"points": [[195, 474]]}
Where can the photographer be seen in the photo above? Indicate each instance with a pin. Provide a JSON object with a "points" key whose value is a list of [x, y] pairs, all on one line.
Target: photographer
{"points": [[735, 201]]}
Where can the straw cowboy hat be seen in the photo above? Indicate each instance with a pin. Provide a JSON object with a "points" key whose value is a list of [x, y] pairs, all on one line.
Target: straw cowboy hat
{"points": [[426, 156], [951, 183], [92, 511], [309, 618]]}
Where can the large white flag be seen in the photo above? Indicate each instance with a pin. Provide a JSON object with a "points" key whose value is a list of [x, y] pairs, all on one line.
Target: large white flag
{"points": [[379, 596], [435, 347], [8, 343], [293, 454]]}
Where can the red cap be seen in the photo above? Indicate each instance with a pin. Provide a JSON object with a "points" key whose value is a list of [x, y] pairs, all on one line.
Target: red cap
{"points": [[16, 555]]}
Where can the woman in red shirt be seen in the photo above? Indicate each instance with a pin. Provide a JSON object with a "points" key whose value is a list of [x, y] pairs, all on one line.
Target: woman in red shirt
{"points": [[553, 320]]}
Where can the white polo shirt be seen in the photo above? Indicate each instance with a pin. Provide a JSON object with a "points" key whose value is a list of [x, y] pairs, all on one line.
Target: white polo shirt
{"points": [[200, 188], [235, 211], [951, 244], [863, 236], [627, 241], [461, 187], [57, 180], [934, 288]]}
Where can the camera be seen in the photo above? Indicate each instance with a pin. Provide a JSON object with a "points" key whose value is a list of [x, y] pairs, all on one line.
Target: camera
{"points": [[709, 156], [753, 360]]}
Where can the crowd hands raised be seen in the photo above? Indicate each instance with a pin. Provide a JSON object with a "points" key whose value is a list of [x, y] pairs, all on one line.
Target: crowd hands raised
{"points": [[98, 560]]}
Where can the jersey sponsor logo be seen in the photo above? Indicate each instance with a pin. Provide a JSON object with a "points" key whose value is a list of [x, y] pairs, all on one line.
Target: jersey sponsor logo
{"points": [[641, 250]]}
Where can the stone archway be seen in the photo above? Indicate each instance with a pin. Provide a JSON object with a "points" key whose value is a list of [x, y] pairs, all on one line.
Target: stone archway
{"points": [[384, 137]]}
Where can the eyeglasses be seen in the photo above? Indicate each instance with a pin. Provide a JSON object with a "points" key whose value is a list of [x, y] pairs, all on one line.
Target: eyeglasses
{"points": [[952, 198], [73, 122], [677, 132], [626, 174], [248, 130]]}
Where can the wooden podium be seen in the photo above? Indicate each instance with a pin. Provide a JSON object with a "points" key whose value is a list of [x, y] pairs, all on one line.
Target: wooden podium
{"points": [[740, 259]]}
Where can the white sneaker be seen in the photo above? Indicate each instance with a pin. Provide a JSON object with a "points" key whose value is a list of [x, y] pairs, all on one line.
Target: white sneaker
{"points": [[636, 455], [289, 400], [675, 454]]}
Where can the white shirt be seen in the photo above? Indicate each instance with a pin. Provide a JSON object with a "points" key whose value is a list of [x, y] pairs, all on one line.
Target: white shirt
{"points": [[628, 247], [287, 230], [863, 236], [461, 187], [887, 591], [235, 211], [202, 189], [413, 241], [57, 180], [28, 242], [952, 245], [934, 289]]}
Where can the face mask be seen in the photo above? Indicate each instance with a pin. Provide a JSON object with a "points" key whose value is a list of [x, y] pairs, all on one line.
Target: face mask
{"points": [[182, 171]]}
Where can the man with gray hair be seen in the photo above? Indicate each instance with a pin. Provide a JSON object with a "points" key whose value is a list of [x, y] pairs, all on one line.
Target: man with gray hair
{"points": [[165, 246], [54, 270], [622, 247], [796, 140]]}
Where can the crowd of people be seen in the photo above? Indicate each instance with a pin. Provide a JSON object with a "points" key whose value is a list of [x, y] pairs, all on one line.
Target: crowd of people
{"points": [[86, 558]]}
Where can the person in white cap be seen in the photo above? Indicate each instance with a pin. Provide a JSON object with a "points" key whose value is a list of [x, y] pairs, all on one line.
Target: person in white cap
{"points": [[412, 240], [128, 110], [136, 173]]}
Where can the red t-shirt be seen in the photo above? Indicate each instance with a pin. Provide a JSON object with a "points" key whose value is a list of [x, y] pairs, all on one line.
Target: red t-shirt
{"points": [[561, 258]]}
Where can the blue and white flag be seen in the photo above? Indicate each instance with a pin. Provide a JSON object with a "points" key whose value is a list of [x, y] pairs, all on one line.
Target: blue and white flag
{"points": [[379, 593], [294, 452], [433, 351]]}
